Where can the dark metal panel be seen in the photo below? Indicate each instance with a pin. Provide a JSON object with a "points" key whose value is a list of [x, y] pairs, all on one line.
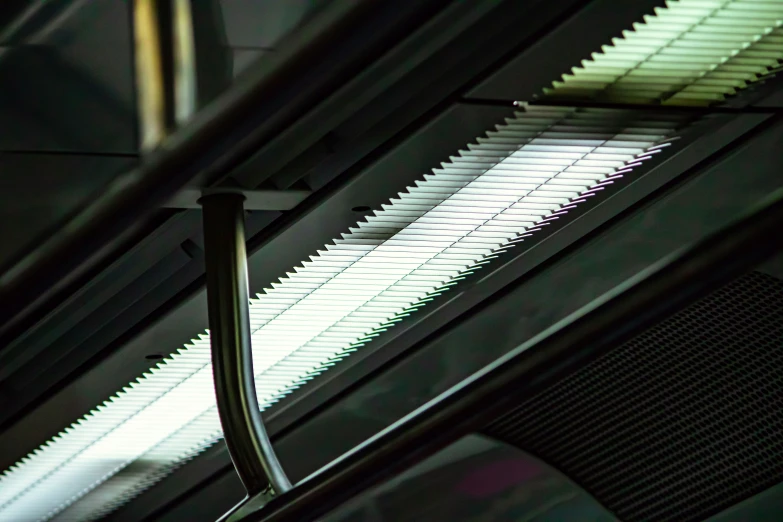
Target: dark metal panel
{"points": [[773, 102], [262, 24], [375, 403], [681, 421], [96, 37], [211, 510], [639, 302], [38, 190], [46, 104], [27, 365], [766, 93], [103, 289], [214, 59], [475, 479], [112, 322], [773, 267], [574, 40], [243, 59], [68, 81]]}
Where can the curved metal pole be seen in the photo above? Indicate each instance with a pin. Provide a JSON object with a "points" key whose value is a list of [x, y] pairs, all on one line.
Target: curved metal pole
{"points": [[232, 357]]}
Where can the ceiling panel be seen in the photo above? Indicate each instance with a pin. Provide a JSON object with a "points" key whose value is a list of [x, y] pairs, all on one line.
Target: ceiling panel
{"points": [[67, 81], [39, 190], [261, 24]]}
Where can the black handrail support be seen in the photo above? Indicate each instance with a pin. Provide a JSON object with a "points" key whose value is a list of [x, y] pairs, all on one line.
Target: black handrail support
{"points": [[232, 354]]}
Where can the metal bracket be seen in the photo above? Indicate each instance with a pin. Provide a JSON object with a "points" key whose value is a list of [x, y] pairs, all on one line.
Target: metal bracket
{"points": [[254, 199]]}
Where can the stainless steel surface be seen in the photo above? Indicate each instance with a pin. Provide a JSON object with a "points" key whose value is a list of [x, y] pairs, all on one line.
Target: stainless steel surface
{"points": [[476, 479], [232, 353]]}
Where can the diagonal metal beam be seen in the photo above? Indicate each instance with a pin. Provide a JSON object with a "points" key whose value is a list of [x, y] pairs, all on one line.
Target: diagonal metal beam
{"points": [[629, 309]]}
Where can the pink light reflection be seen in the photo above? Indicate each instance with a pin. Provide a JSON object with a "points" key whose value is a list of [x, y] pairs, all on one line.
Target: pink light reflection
{"points": [[498, 476]]}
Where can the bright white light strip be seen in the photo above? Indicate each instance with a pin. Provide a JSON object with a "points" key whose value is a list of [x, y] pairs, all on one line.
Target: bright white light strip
{"points": [[515, 181], [692, 52]]}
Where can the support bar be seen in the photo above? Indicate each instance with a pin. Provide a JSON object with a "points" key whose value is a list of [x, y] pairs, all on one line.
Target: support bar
{"points": [[232, 355], [629, 309]]}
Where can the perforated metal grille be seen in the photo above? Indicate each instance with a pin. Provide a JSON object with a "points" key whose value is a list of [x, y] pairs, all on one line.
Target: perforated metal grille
{"points": [[679, 423]]}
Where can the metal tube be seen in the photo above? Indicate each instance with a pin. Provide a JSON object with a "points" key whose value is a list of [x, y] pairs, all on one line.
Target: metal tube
{"points": [[232, 356], [150, 79], [165, 66], [629, 309]]}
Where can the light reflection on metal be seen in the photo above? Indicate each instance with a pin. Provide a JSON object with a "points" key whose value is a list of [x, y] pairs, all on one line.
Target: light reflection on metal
{"points": [[476, 479], [150, 84], [185, 90], [232, 353]]}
